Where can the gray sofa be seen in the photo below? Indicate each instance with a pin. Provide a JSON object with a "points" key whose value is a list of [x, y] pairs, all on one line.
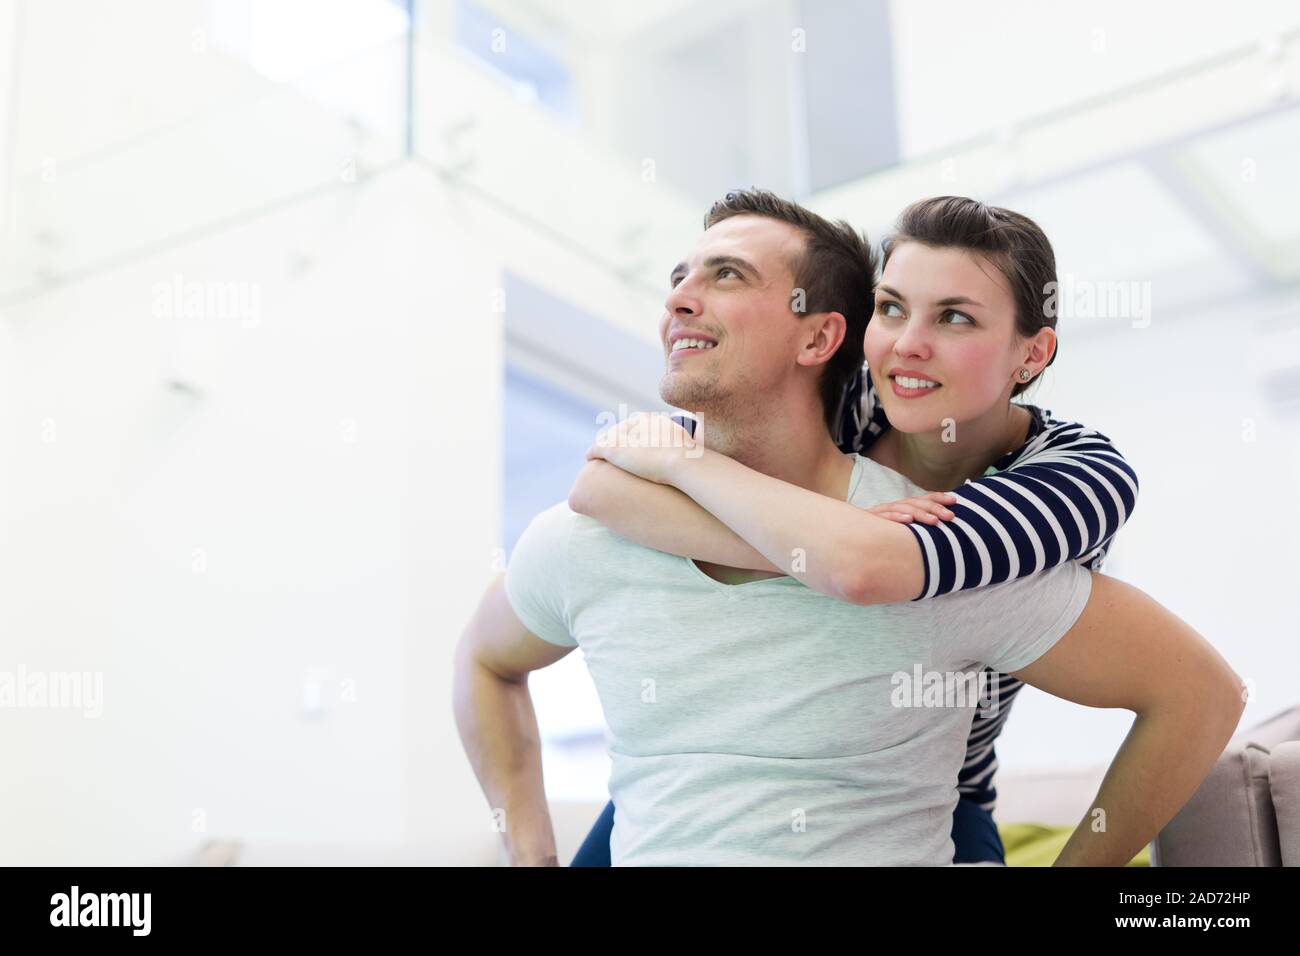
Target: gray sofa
{"points": [[1247, 810]]}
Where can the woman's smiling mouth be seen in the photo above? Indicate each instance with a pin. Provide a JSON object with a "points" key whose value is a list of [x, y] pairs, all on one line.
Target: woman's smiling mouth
{"points": [[912, 386]]}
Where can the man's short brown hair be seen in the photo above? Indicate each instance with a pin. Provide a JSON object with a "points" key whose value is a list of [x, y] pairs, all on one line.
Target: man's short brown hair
{"points": [[837, 273]]}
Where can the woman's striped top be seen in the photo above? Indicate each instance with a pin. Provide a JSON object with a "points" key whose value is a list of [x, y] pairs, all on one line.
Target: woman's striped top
{"points": [[1060, 496]]}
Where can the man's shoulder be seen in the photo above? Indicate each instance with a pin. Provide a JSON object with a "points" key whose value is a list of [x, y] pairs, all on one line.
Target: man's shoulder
{"points": [[1059, 579], [557, 515], [546, 538], [873, 484], [563, 527], [561, 544], [557, 520]]}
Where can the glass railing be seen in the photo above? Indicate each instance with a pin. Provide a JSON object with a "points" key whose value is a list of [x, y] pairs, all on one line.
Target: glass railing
{"points": [[271, 141]]}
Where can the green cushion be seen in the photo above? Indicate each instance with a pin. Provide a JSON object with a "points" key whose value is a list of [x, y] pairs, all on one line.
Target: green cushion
{"points": [[1032, 844]]}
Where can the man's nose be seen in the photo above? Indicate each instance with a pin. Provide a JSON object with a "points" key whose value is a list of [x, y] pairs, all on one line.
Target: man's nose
{"points": [[682, 300]]}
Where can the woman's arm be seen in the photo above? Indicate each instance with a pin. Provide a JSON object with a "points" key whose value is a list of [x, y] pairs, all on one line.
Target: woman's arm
{"points": [[829, 545], [660, 517], [1063, 499]]}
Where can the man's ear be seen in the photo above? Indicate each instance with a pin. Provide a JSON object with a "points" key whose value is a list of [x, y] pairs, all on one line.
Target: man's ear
{"points": [[825, 334]]}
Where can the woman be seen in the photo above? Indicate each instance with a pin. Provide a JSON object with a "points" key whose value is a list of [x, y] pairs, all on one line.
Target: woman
{"points": [[963, 323]]}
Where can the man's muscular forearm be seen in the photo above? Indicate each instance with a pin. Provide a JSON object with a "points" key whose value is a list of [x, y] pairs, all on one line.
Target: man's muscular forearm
{"points": [[498, 728], [1127, 651], [1152, 776]]}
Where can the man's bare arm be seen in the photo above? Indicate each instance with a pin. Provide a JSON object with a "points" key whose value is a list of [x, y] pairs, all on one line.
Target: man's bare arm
{"points": [[497, 724], [1128, 651]]}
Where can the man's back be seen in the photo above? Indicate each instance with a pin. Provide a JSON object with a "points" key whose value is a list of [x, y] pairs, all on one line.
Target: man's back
{"points": [[764, 723]]}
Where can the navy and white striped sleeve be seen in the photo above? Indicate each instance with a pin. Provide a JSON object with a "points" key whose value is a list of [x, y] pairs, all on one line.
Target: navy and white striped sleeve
{"points": [[1063, 498]]}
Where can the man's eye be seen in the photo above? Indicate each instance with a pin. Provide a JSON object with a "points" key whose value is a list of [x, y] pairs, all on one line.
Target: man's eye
{"points": [[965, 319], [728, 269]]}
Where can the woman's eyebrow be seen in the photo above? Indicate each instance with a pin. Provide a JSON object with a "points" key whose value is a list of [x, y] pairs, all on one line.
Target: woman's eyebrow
{"points": [[951, 300]]}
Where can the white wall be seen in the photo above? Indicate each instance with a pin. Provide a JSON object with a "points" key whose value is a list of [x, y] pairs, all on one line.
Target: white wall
{"points": [[1213, 535], [316, 509], [342, 491]]}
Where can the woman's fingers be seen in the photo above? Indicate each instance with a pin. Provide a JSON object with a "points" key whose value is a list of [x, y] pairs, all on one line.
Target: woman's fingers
{"points": [[893, 516], [929, 509], [936, 503], [944, 497], [900, 511]]}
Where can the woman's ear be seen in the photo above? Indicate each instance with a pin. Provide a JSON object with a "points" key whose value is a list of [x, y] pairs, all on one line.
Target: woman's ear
{"points": [[1040, 349]]}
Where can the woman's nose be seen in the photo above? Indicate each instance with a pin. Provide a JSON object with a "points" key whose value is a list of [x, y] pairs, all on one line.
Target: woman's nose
{"points": [[913, 340]]}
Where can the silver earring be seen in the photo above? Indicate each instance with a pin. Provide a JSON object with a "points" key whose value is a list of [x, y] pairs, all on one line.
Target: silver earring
{"points": [[1025, 375]]}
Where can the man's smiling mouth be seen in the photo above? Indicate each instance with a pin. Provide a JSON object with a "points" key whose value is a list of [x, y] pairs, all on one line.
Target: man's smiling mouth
{"points": [[691, 345]]}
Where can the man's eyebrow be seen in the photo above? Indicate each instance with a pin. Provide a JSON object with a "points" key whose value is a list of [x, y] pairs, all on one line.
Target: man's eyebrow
{"points": [[739, 263], [714, 262], [951, 300]]}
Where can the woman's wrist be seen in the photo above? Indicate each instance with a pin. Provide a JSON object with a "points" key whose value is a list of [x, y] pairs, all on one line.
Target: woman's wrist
{"points": [[678, 471]]}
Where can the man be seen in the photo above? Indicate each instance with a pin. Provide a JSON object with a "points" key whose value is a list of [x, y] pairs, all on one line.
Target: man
{"points": [[756, 721]]}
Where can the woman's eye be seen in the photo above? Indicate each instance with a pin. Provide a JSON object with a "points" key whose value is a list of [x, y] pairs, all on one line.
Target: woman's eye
{"points": [[884, 308], [965, 319]]}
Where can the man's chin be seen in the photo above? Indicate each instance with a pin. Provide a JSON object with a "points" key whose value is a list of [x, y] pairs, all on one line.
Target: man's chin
{"points": [[680, 391]]}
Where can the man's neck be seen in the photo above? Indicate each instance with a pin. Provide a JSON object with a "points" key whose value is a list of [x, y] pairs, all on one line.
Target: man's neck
{"points": [[795, 448]]}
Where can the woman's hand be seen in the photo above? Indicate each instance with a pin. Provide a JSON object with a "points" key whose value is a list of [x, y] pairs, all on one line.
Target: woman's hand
{"points": [[929, 508], [648, 445]]}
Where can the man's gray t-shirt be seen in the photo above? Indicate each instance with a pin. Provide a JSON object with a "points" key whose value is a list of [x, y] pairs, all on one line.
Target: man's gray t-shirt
{"points": [[764, 723]]}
